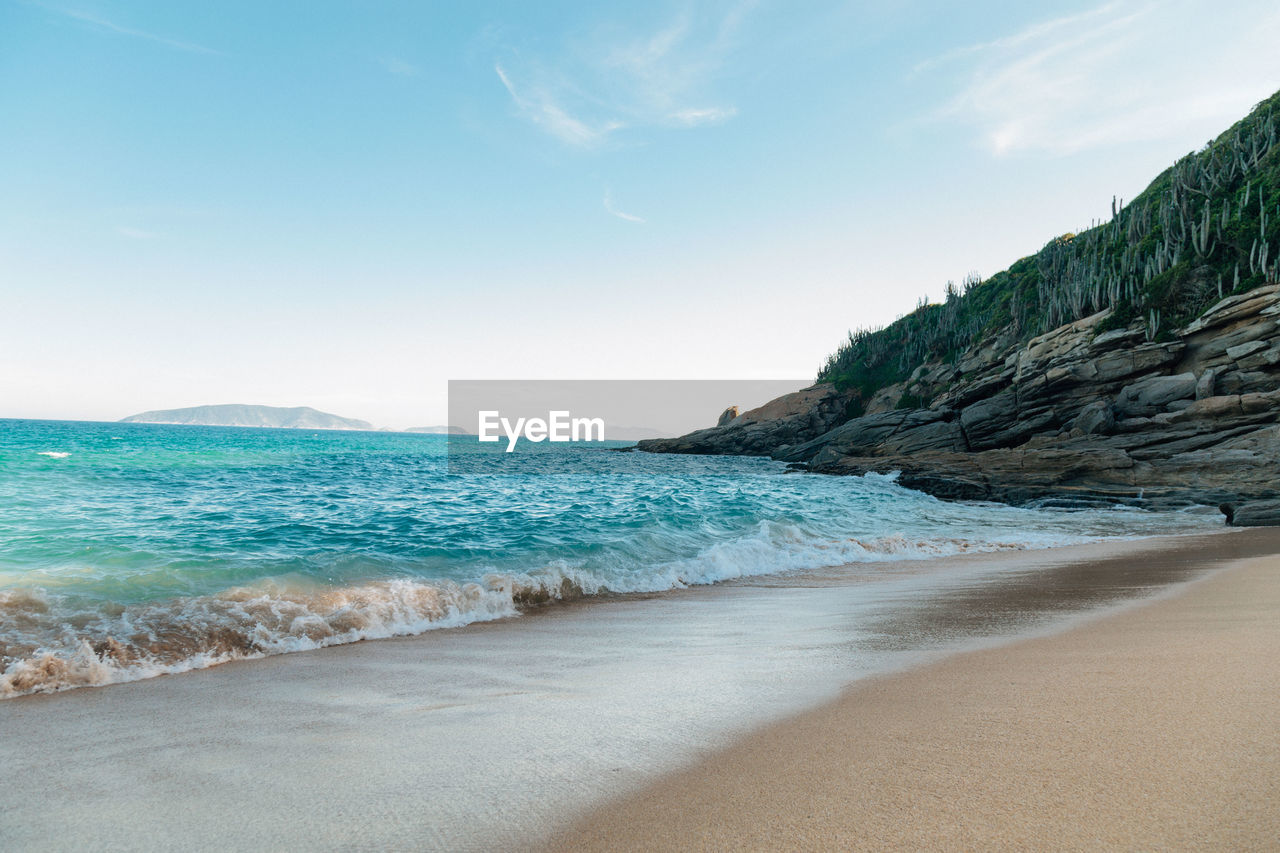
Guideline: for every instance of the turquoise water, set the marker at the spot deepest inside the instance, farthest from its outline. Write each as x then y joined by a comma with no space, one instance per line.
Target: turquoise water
129,550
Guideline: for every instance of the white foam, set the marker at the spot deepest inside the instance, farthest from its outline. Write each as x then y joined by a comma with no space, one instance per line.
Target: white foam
54,454
246,622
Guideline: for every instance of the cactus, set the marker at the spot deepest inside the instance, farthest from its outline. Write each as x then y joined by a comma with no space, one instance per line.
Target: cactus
1153,324
1200,210
1200,236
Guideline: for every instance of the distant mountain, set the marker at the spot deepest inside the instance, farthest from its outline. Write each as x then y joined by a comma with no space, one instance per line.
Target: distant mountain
297,417
439,430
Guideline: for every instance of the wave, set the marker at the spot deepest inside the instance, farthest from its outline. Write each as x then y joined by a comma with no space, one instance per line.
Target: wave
53,454
52,642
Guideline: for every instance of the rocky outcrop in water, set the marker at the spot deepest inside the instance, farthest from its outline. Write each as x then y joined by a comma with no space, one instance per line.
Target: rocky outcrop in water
1082,413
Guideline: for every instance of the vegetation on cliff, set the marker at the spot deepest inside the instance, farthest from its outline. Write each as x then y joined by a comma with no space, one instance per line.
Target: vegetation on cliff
1207,227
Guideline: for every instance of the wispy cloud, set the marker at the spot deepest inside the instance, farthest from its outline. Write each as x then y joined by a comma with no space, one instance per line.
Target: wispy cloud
1031,33
612,80
398,66
695,116
105,25
1125,71
541,107
629,217
135,233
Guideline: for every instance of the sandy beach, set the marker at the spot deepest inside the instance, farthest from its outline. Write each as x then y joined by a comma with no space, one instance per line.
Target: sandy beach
688,720
1151,729
683,426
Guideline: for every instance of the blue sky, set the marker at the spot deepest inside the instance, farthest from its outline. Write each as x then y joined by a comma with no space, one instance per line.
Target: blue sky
346,204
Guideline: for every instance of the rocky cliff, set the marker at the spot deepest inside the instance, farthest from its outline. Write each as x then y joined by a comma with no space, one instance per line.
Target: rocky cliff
1078,414
1137,360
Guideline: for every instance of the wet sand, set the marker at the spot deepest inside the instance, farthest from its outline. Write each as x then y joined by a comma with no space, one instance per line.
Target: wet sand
1155,728
503,734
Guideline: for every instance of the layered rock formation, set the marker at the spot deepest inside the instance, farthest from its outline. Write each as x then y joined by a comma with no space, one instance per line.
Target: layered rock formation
789,420
1078,413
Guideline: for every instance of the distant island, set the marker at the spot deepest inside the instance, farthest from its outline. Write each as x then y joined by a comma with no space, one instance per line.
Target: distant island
296,417
439,430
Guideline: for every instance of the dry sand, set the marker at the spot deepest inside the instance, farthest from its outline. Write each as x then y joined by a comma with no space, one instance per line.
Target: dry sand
1155,728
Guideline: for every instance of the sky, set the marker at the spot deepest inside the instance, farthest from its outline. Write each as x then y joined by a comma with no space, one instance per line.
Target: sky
345,205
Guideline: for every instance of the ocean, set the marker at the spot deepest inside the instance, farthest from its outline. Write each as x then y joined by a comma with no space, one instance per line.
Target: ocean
134,550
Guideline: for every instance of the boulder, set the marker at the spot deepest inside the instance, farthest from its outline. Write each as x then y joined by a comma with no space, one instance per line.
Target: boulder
1246,382
1148,396
1264,513
987,422
1142,359
1238,352
1096,418
1206,383
1262,358
726,416
1243,307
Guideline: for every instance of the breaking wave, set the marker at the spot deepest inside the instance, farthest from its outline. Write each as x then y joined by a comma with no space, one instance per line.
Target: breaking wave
54,642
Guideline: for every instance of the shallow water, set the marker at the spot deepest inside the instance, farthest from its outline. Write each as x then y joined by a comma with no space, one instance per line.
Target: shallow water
130,550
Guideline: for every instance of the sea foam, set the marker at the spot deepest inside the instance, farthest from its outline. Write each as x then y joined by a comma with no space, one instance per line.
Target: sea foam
52,642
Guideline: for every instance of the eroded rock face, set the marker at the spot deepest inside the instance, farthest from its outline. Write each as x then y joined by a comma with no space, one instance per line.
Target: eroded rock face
727,416
1072,413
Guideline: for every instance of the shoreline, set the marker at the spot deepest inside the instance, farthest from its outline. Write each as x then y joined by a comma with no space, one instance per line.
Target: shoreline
1152,727
53,673
505,733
